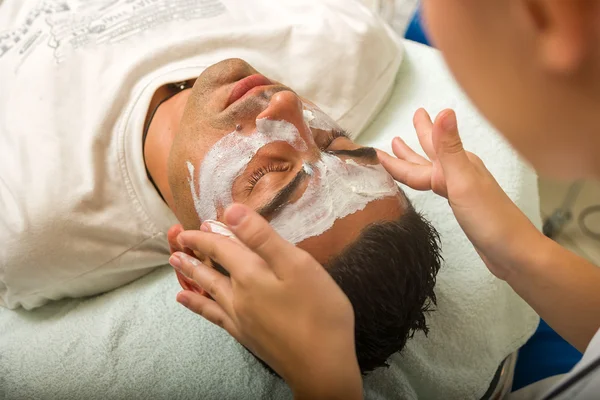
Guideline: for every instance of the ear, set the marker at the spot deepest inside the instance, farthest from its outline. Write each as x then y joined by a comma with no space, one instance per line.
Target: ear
565,31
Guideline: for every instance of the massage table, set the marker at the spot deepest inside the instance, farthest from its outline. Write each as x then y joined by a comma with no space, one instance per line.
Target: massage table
137,342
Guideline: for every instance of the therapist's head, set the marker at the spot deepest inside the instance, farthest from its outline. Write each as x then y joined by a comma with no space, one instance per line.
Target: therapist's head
244,138
533,69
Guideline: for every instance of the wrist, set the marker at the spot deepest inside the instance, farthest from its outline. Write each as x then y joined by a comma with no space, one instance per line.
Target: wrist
535,251
328,380
342,388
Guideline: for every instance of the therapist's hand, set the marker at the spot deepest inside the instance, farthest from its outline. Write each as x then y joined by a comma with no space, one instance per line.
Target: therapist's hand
500,232
278,302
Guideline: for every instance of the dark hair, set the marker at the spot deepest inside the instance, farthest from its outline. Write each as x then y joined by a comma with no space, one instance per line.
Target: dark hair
388,274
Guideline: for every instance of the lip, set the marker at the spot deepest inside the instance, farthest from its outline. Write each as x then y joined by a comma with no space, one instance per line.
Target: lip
246,84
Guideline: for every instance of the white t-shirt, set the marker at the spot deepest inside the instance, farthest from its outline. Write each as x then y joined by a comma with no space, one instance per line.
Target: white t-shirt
78,215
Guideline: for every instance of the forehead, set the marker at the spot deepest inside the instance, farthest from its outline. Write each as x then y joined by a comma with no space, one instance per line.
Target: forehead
346,231
336,188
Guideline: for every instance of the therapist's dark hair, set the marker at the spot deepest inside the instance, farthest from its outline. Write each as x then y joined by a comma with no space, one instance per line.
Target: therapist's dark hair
389,275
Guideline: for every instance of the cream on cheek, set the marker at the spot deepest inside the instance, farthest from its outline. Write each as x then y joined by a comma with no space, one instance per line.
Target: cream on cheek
336,188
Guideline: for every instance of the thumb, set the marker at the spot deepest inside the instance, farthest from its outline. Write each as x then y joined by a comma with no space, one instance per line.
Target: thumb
448,147
256,233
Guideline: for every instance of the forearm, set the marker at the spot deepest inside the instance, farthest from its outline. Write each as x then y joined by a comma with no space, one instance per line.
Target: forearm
342,390
328,381
563,288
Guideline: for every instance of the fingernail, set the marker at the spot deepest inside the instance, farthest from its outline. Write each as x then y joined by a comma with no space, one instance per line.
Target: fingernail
180,240
205,227
235,215
182,299
218,227
175,262
187,258
448,121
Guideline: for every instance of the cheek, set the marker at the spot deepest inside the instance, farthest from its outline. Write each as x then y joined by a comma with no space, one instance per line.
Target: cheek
433,21
454,29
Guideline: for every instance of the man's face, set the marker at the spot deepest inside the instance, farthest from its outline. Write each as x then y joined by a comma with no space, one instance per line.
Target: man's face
247,139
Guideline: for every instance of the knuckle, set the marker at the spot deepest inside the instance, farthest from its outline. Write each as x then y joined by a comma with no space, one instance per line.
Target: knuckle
453,146
212,249
200,309
219,321
261,239
246,275
213,286
476,160
214,245
243,277
303,258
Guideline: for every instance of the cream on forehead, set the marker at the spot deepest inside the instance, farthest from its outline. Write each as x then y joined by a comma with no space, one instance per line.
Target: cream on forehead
335,190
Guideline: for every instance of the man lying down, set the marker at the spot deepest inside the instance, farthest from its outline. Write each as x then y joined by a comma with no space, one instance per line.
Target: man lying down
91,182
248,139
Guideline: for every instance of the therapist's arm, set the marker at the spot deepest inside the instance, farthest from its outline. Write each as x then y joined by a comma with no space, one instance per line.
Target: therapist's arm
278,302
561,287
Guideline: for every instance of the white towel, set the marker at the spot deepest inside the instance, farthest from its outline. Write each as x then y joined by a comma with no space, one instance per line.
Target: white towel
137,342
479,319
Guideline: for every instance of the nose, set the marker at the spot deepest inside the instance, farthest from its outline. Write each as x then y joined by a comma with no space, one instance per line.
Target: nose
287,106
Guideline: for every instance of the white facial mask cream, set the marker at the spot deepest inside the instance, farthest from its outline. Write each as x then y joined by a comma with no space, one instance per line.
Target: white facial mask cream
336,188
219,227
228,158
317,119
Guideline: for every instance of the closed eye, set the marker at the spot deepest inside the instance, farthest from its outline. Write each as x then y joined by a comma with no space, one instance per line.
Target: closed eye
334,134
262,171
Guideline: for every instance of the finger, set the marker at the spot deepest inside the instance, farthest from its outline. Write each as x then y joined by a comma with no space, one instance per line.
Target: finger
423,126
416,176
449,147
219,228
172,234
256,233
209,310
213,282
188,284
232,255
174,245
403,151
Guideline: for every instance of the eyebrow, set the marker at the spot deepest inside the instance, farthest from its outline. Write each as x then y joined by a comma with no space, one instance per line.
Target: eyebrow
367,153
283,196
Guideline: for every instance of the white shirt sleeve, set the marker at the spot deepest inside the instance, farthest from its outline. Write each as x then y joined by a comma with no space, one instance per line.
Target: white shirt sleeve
582,383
